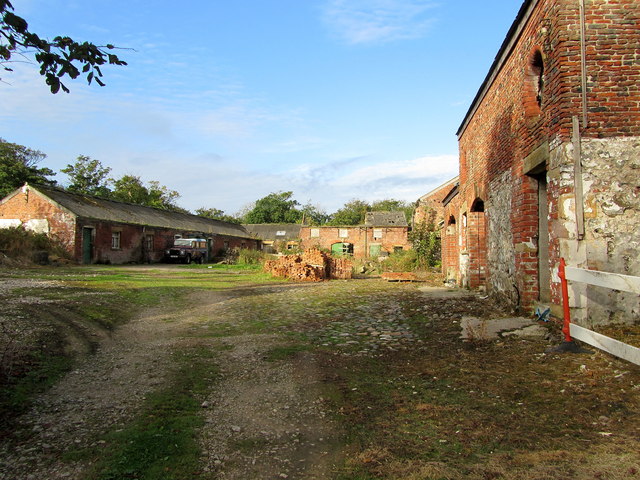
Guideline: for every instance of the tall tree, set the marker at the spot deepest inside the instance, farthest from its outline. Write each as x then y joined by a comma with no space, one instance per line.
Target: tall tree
131,189
314,215
18,166
87,175
277,207
216,214
162,197
352,213
62,57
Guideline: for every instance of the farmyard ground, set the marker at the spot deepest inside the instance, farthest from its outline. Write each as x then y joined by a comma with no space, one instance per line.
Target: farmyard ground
206,373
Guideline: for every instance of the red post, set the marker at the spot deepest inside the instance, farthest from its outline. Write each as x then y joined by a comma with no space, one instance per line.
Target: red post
565,300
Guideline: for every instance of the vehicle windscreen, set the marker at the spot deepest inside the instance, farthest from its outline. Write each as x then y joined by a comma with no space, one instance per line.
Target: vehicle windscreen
180,242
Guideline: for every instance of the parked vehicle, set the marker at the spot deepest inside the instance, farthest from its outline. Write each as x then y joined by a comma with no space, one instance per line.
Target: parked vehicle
187,250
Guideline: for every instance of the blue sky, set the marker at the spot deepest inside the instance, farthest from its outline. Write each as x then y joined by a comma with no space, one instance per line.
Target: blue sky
228,101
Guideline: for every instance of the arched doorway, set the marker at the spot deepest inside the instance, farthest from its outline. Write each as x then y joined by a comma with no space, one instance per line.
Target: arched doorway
477,245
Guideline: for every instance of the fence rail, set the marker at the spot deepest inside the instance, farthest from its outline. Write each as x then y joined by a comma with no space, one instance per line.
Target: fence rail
615,281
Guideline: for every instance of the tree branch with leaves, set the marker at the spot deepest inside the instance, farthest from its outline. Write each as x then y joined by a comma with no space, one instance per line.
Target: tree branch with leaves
62,57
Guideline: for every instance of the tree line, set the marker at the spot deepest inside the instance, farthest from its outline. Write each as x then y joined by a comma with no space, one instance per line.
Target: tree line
20,165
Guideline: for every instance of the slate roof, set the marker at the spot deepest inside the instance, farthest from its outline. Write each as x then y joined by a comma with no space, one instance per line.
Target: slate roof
274,231
87,206
385,219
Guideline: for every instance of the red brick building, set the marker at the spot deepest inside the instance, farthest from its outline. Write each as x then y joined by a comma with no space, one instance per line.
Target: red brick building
549,160
430,206
382,234
95,230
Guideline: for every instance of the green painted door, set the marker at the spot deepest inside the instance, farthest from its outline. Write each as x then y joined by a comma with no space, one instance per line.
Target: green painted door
374,250
87,245
337,248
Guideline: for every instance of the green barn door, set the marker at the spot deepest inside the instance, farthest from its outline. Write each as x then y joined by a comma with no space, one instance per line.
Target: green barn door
87,245
337,248
374,250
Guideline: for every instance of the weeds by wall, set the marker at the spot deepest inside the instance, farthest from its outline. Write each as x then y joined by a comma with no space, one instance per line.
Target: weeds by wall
23,246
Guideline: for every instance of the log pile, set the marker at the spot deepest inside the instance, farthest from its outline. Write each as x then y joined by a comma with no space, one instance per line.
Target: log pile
312,266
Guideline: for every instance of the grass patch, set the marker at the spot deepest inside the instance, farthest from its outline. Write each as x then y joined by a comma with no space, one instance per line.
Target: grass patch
285,352
41,371
160,444
88,298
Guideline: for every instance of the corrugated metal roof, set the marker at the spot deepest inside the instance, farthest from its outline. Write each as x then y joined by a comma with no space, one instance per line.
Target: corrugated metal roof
274,231
97,208
385,219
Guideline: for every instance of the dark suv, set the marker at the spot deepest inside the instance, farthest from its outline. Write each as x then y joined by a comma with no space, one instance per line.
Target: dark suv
187,250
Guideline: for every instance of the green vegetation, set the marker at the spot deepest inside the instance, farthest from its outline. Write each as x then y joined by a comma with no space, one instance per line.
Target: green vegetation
18,165
435,408
20,244
160,443
57,59
94,298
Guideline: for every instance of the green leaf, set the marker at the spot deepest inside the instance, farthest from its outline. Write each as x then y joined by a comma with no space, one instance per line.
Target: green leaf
17,23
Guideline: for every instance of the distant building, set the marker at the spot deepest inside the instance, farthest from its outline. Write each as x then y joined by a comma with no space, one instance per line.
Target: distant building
275,237
430,207
381,234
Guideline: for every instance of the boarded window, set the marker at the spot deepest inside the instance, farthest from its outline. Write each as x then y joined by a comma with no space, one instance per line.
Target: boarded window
115,240
148,243
343,233
377,233
315,232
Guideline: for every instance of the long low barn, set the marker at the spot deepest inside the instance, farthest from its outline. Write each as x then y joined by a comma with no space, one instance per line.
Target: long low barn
96,230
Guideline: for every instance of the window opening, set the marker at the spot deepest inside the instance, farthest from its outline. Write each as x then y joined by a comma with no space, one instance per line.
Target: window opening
115,240
478,205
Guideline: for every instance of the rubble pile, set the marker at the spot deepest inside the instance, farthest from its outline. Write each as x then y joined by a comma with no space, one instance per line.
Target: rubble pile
311,266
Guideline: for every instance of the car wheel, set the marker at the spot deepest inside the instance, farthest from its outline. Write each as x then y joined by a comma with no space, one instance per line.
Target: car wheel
187,260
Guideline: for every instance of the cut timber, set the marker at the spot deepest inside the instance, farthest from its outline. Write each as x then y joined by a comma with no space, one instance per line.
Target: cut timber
399,277
615,281
609,345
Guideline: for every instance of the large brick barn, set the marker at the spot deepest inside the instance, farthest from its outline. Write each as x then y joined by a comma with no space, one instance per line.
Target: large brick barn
96,230
550,160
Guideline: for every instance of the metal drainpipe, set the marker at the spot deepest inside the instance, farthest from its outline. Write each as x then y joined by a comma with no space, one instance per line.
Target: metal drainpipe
583,63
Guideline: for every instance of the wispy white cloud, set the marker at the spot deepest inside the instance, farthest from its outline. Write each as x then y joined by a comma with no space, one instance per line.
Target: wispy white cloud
377,21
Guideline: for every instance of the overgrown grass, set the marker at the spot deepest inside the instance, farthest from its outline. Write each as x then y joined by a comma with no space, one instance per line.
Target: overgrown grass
160,444
18,243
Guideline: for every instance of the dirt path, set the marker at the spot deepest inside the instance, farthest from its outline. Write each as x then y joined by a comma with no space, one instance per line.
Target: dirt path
263,419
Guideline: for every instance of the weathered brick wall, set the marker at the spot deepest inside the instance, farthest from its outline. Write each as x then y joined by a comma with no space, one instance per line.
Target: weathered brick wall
223,242
509,125
30,205
429,207
361,237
